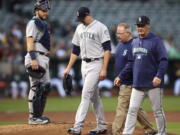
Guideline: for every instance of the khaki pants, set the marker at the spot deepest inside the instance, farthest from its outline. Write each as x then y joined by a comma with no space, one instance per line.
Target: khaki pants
122,109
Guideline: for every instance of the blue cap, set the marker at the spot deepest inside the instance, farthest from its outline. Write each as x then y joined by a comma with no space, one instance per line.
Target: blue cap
142,20
82,13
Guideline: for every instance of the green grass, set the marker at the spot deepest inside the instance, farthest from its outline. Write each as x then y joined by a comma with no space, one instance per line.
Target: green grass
172,127
11,123
8,105
170,104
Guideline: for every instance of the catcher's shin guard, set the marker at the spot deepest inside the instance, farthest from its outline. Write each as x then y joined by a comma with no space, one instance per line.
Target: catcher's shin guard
39,99
46,91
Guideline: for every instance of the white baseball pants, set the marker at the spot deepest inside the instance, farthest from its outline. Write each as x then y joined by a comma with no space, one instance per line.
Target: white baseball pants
90,93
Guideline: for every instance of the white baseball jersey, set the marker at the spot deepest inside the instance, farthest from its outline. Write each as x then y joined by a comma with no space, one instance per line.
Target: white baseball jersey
90,39
33,31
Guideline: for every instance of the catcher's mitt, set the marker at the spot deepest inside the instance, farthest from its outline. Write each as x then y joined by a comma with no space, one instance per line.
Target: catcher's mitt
39,73
67,84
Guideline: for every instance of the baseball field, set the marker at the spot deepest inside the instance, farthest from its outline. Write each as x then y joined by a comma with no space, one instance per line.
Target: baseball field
14,114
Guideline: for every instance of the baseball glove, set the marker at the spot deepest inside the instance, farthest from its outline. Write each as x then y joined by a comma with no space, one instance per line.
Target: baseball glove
67,84
39,73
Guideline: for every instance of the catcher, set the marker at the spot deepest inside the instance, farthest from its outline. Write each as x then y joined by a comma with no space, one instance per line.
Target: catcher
37,62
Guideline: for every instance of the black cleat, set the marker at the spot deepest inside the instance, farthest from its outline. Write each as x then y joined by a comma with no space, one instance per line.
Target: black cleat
153,133
97,131
73,131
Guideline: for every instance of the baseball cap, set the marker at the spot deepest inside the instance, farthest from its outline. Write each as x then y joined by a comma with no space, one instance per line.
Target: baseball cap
82,13
142,20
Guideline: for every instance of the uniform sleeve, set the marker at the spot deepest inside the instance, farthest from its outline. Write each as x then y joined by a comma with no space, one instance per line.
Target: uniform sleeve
76,50
104,34
128,69
76,39
31,30
162,59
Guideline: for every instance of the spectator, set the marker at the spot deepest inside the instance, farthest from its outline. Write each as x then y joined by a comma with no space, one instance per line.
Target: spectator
19,88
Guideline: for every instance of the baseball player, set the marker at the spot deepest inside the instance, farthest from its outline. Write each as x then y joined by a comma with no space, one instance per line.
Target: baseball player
92,40
148,62
38,46
121,59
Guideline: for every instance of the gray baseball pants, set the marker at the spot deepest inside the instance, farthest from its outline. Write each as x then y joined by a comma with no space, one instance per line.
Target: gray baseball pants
137,97
44,62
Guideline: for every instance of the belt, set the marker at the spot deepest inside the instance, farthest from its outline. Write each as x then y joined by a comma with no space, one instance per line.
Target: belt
90,59
43,53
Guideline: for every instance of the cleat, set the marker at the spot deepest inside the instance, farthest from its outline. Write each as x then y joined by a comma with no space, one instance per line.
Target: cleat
97,131
45,118
38,120
152,133
73,131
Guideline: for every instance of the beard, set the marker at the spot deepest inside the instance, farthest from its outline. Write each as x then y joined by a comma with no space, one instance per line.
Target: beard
42,17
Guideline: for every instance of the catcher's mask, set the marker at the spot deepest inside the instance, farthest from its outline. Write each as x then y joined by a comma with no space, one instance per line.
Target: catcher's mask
39,73
42,5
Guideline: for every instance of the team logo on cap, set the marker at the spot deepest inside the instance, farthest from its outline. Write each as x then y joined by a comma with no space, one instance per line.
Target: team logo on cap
139,19
77,13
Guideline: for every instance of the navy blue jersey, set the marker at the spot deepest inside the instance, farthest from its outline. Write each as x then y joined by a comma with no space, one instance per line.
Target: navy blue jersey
147,60
121,59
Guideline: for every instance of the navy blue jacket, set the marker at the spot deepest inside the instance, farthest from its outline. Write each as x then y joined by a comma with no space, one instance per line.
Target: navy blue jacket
121,59
147,60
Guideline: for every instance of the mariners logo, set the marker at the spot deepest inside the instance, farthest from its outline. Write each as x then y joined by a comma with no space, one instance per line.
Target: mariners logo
140,52
125,52
77,13
106,32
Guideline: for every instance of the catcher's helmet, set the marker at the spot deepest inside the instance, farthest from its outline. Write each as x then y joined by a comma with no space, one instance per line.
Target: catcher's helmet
39,73
42,5
67,84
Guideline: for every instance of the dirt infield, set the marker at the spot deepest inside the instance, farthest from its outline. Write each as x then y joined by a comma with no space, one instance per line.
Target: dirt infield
61,121
49,129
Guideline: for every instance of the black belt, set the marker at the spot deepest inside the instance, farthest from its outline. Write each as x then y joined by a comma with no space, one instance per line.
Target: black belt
43,53
90,59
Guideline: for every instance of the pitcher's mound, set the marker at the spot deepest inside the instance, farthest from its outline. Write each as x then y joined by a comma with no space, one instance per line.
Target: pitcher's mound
49,129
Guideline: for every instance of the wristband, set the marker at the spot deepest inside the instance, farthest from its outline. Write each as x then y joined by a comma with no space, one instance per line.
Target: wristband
32,55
